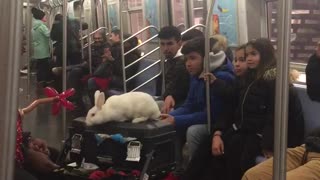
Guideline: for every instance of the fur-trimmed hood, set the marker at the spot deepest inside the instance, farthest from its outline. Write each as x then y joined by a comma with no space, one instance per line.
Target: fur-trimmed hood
271,74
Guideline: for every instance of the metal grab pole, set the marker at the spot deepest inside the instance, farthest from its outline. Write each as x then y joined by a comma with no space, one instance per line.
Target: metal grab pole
10,48
206,62
28,40
163,61
89,47
122,49
81,28
282,90
64,61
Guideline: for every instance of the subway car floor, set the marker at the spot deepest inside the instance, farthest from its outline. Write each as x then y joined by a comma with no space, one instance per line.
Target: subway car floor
40,122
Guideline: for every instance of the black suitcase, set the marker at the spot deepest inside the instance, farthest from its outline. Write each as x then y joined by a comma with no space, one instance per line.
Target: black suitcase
157,139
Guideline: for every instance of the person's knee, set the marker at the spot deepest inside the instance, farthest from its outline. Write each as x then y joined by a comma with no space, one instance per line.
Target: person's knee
196,132
250,174
92,84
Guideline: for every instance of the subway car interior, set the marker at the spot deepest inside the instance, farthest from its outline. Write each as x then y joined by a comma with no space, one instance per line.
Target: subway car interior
160,89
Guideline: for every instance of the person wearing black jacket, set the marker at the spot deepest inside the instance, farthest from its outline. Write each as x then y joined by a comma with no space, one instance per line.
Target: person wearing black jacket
177,78
236,145
73,42
117,73
313,75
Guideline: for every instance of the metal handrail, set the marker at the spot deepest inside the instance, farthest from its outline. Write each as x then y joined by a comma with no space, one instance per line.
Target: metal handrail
87,44
134,62
145,42
86,36
154,77
123,54
148,67
206,62
142,30
193,27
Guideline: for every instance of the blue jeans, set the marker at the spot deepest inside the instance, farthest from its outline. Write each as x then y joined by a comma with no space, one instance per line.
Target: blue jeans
195,135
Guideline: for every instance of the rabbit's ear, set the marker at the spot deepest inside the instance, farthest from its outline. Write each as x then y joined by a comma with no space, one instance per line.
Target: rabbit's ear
100,100
96,95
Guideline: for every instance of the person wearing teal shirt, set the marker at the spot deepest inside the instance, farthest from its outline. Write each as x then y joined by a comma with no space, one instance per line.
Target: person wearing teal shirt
41,46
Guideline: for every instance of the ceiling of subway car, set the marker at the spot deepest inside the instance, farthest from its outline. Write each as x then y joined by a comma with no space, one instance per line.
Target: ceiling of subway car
51,3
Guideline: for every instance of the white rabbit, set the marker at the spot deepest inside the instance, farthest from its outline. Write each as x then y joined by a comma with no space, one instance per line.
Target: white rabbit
135,106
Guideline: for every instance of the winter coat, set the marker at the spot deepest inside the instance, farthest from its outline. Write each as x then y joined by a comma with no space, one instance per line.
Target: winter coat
40,40
255,110
73,37
193,111
313,78
177,80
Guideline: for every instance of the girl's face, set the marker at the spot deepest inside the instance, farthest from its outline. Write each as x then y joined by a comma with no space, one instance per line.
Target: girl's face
240,64
252,57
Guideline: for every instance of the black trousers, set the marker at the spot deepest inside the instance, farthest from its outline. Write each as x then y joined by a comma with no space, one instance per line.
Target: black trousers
240,151
74,81
43,70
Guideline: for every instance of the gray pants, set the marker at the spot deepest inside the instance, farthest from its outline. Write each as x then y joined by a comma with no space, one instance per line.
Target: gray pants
195,135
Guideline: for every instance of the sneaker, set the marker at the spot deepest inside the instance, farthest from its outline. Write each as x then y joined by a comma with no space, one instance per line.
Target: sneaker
57,71
24,71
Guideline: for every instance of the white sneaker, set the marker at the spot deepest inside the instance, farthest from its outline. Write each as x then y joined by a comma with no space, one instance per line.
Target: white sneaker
24,71
57,71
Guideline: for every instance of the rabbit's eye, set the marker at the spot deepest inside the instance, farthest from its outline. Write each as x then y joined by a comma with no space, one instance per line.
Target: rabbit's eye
93,114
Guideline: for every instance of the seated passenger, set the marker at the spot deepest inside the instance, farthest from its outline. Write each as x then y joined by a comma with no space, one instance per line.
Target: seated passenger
77,72
236,147
193,111
217,62
313,75
117,75
34,159
303,162
176,76
223,43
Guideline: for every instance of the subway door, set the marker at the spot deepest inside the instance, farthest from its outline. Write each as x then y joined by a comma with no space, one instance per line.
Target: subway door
126,24
100,13
196,12
179,11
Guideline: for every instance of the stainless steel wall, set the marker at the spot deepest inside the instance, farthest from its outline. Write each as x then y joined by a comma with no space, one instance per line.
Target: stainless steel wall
10,35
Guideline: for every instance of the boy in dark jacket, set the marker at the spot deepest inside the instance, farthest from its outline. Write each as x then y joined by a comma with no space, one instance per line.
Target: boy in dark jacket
176,76
313,75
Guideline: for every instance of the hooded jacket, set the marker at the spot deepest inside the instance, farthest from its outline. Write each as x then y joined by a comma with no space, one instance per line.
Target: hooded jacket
193,111
40,40
255,110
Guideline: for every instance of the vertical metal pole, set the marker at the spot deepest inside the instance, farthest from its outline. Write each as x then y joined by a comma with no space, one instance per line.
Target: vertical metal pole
122,48
282,90
189,13
10,48
162,62
81,28
64,62
170,12
107,16
89,47
206,61
103,13
28,46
